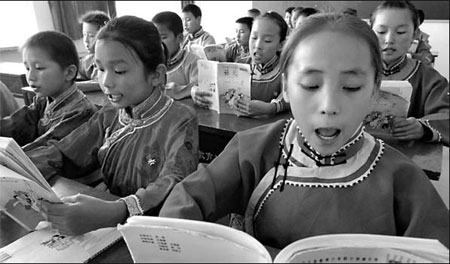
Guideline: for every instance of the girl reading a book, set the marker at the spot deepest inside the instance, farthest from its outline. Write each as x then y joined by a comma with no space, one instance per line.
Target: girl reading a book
320,172
396,23
266,40
143,141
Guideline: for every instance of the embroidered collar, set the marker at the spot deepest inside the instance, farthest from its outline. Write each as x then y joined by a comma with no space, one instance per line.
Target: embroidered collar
339,157
197,34
269,66
146,112
52,104
396,67
176,58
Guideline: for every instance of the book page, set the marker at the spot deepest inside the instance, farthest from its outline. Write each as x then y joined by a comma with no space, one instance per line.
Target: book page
215,52
20,198
379,248
47,245
159,239
392,101
199,51
207,81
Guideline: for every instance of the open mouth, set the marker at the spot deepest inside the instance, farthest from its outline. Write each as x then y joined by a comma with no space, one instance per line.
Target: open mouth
114,97
327,133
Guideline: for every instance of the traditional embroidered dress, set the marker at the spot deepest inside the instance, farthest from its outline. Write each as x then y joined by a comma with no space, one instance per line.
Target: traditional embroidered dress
200,37
144,153
266,83
87,70
182,69
8,103
429,99
32,126
365,187
235,52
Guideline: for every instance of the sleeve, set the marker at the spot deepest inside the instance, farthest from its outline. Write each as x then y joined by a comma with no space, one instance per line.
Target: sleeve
22,125
420,211
181,160
192,71
70,121
209,39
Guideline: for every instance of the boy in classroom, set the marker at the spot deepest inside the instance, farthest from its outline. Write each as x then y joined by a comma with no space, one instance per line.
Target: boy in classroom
91,23
253,12
304,13
192,18
395,23
239,48
143,141
51,61
8,103
182,72
266,41
320,172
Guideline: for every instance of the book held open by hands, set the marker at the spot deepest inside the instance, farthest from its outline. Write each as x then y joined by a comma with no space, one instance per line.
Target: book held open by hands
159,239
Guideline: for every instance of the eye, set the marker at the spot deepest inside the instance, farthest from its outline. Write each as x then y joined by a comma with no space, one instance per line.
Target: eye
119,72
309,87
381,32
352,89
401,32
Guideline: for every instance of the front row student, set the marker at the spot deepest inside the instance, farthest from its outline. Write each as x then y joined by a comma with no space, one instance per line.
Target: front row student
266,41
51,61
330,176
182,73
143,141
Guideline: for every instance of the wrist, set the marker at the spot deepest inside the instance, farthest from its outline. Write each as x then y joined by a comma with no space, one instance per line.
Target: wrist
132,204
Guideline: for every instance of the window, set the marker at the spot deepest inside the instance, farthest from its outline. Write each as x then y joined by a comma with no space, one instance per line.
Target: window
146,9
18,22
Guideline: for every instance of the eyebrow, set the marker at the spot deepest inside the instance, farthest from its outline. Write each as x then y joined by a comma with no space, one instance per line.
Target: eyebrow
352,72
113,62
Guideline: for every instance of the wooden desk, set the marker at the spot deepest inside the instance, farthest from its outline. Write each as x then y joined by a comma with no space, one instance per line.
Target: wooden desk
118,253
13,74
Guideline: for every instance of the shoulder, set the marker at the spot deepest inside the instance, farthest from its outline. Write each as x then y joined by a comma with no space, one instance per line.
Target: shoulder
190,57
271,130
182,111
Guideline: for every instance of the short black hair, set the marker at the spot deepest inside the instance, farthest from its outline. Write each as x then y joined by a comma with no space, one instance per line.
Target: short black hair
308,11
194,9
246,20
392,4
171,20
255,11
96,17
289,9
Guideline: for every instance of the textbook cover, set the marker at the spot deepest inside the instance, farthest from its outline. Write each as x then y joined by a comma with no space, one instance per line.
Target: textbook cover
22,186
227,81
161,239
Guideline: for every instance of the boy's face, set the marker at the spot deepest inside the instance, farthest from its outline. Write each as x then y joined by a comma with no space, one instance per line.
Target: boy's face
44,75
287,18
264,40
121,74
191,23
330,84
89,32
168,37
242,34
395,31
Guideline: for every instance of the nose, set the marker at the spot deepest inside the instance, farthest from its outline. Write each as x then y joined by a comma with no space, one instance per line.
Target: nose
329,101
31,75
106,79
390,38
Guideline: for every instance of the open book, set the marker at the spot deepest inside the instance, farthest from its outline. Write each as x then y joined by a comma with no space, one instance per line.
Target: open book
22,187
227,81
47,245
160,239
213,52
392,101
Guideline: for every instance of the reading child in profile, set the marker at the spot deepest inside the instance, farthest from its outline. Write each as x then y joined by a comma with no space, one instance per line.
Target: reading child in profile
395,23
143,141
266,41
182,73
320,172
239,49
192,19
58,107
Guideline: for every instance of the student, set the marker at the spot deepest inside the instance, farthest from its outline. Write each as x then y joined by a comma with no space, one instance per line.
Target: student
192,18
91,23
8,103
239,49
253,12
304,13
421,48
329,175
143,141
295,14
266,41
395,23
51,61
350,11
288,15
182,72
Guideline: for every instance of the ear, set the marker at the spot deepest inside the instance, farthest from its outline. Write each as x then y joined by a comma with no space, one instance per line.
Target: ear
280,46
179,38
158,77
71,72
415,35
284,87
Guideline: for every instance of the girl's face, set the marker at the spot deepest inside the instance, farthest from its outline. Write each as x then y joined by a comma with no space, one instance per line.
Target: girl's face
121,74
44,75
242,34
330,83
395,31
89,32
264,40
168,37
